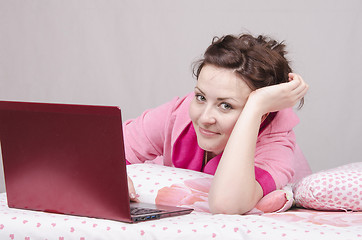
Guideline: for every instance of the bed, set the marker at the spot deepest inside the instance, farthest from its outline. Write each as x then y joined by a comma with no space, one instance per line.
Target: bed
337,217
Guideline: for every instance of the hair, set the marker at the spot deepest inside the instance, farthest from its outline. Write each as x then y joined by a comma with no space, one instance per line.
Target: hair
260,61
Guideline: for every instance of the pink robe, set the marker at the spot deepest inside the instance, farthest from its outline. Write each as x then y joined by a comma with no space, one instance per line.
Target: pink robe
165,135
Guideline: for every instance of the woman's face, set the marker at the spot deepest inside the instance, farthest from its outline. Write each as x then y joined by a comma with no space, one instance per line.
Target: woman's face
220,96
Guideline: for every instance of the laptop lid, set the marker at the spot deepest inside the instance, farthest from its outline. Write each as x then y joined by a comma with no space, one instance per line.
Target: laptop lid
65,159
69,159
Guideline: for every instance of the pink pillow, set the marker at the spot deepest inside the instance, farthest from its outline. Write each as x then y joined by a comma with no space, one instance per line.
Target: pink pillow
335,189
181,187
276,201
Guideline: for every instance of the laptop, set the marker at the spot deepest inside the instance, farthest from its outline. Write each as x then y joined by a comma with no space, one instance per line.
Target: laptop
69,159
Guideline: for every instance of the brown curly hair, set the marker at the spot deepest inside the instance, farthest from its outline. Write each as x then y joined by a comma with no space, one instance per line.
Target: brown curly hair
258,60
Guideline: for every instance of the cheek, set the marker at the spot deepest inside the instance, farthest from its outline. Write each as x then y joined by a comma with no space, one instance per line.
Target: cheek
229,124
193,111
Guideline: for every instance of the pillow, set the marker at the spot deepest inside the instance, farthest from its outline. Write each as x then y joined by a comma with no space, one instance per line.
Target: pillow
170,186
182,187
335,189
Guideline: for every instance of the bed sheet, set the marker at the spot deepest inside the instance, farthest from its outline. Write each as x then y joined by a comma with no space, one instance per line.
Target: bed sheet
293,224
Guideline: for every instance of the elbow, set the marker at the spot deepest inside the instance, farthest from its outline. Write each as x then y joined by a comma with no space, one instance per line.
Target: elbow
225,206
229,201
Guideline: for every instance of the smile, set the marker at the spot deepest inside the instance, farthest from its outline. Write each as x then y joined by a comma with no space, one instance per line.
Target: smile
207,133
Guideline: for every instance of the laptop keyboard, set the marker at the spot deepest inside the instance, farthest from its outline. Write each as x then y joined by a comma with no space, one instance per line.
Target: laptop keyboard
141,211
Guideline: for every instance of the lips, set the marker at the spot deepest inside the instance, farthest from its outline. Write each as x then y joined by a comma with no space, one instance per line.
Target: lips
207,133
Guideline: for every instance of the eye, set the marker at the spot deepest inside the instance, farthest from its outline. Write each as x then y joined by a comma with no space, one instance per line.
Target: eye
200,98
225,106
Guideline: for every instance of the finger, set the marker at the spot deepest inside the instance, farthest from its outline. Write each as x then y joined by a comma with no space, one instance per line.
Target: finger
293,76
133,197
132,192
299,78
301,86
302,91
292,84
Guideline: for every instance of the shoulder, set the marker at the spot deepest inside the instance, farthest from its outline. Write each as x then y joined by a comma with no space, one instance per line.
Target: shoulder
171,117
182,104
178,106
179,118
276,149
284,121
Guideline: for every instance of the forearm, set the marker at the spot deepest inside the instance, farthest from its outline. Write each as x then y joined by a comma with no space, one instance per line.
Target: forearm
234,189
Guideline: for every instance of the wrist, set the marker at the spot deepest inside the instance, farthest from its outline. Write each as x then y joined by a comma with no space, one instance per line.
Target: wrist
254,107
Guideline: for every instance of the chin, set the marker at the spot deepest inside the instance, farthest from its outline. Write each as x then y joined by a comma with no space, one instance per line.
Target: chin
211,145
209,148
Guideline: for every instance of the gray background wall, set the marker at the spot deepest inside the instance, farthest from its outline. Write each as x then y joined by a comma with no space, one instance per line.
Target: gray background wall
137,54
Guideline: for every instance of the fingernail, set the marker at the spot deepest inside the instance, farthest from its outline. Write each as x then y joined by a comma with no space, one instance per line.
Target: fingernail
132,195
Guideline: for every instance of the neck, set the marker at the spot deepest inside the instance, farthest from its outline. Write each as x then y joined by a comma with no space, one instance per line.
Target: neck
208,156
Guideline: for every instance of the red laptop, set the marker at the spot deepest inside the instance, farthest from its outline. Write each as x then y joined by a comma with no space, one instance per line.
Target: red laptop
69,159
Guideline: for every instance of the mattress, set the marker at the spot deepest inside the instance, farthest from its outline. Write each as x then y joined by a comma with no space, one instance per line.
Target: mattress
295,223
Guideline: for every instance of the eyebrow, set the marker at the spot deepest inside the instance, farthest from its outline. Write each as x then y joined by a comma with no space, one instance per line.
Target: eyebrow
219,99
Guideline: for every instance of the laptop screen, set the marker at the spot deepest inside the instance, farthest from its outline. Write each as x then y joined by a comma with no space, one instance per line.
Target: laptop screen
64,158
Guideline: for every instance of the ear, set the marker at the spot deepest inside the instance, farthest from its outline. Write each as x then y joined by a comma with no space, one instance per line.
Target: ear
264,117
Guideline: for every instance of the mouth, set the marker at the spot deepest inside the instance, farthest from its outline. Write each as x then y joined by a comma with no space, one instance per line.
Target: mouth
207,133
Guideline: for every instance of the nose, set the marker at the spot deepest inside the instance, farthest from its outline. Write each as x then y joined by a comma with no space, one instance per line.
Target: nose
208,116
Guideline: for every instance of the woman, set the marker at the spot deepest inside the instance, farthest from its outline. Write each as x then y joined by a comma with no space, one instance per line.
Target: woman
238,124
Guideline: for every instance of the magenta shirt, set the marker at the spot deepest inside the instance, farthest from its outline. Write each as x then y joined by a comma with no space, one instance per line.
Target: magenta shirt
186,145
165,135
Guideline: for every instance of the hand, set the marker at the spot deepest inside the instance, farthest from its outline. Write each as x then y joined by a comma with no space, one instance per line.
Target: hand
277,97
131,190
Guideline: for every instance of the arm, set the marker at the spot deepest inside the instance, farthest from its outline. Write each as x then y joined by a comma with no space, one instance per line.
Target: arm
234,189
148,136
144,136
